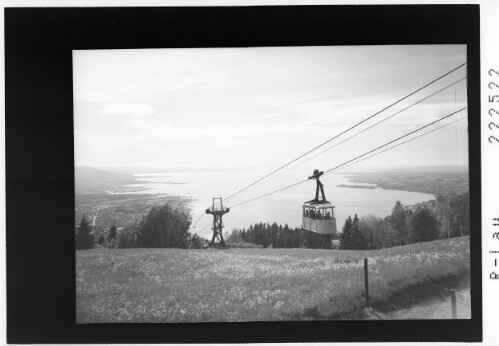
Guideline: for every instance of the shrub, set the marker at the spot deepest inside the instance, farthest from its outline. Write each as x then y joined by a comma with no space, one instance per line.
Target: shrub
128,237
164,227
196,242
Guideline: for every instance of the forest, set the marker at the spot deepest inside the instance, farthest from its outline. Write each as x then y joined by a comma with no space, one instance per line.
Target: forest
165,227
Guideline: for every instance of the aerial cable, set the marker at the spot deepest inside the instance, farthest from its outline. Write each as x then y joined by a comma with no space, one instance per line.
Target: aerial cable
392,141
202,229
209,223
271,193
399,144
345,131
370,127
385,119
356,158
197,220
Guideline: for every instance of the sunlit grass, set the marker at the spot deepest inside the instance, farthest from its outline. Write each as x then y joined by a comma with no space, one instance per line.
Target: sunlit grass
173,285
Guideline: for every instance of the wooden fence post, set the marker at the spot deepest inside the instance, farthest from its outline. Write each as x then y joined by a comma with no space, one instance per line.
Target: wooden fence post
453,303
366,274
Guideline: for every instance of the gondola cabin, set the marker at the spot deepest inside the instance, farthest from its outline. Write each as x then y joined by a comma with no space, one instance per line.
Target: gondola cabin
318,214
319,218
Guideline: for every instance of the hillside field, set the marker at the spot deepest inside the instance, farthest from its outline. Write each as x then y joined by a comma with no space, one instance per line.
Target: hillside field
174,285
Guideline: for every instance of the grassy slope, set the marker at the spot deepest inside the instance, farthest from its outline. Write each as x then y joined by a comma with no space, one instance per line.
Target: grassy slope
172,285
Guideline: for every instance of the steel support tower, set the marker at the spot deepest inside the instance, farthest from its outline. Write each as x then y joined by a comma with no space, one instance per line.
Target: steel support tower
217,210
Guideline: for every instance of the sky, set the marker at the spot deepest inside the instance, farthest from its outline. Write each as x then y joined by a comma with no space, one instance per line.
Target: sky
258,108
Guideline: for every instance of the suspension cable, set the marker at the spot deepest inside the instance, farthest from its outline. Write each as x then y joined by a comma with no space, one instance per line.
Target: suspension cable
370,127
360,156
197,220
349,129
399,144
202,229
392,141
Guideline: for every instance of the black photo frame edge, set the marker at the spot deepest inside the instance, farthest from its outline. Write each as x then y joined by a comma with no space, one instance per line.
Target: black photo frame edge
40,156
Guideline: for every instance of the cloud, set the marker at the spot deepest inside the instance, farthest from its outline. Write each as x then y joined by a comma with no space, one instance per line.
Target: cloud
136,115
253,107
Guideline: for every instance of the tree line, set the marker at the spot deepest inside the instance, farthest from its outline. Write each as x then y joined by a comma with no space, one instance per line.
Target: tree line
162,227
445,217
278,236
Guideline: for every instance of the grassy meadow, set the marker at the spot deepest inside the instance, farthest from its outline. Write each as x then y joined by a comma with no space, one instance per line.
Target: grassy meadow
174,285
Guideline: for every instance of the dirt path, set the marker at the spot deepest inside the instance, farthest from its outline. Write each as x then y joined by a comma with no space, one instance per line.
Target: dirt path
433,303
95,217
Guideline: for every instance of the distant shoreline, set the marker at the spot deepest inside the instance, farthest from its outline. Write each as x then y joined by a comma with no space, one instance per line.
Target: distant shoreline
357,186
433,183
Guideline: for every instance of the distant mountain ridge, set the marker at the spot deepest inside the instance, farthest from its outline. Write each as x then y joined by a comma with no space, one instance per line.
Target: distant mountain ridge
416,181
89,178
411,169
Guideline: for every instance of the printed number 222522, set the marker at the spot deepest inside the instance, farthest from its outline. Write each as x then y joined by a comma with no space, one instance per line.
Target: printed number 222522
493,98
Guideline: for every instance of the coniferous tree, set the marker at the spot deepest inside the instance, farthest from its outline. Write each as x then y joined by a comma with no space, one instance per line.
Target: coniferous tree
84,236
399,223
128,237
424,225
101,240
296,237
357,238
346,234
275,231
288,237
250,236
112,232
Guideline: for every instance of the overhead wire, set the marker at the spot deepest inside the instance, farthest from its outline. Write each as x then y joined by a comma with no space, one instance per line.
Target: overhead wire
399,144
384,119
356,158
271,193
370,127
202,229
345,131
199,218
403,136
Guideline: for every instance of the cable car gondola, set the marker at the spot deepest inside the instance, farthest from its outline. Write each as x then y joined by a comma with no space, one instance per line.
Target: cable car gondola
318,214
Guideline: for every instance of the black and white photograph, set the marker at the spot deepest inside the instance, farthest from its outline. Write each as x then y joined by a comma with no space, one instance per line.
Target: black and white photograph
271,184
185,172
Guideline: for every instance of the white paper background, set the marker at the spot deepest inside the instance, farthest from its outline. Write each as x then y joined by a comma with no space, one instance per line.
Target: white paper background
489,28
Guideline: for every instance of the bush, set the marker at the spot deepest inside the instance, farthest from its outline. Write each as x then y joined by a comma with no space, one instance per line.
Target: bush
128,237
196,242
244,245
112,243
164,227
235,236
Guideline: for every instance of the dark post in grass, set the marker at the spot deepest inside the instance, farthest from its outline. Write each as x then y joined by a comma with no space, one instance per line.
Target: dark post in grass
367,282
453,303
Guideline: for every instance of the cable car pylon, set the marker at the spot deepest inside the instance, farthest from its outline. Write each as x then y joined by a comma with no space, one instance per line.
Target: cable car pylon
217,210
320,187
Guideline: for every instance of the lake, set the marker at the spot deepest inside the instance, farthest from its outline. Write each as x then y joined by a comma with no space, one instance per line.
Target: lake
283,207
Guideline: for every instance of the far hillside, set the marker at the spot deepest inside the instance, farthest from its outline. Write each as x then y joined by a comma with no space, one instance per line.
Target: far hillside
432,180
93,179
103,197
